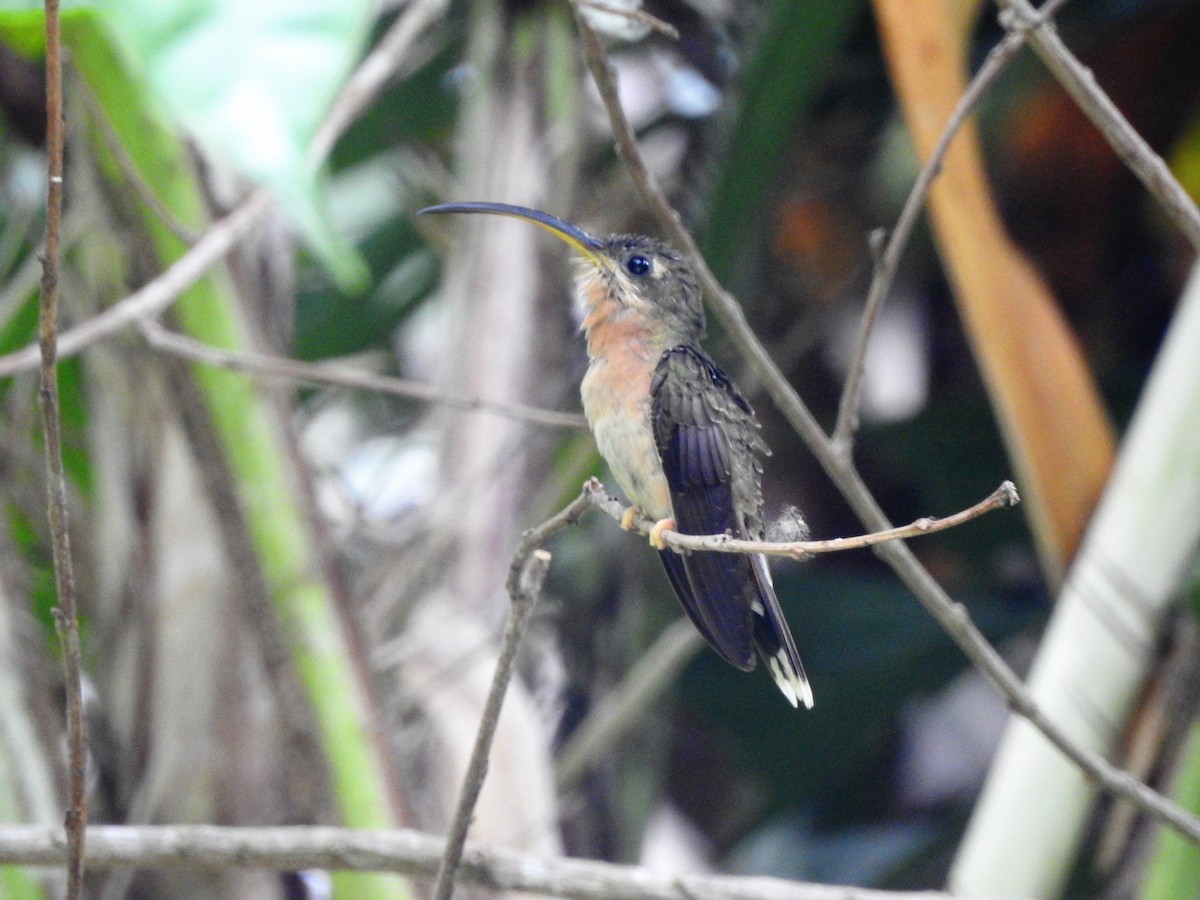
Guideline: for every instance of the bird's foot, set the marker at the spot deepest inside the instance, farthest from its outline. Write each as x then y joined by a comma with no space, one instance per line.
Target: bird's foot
656,533
629,518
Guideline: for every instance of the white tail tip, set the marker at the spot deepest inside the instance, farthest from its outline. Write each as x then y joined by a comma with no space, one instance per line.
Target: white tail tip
793,684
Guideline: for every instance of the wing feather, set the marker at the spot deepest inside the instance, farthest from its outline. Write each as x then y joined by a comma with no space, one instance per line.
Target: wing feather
689,392
707,441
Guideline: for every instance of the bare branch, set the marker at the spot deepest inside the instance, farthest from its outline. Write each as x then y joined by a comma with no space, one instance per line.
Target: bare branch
66,618
887,261
533,575
952,616
408,852
220,238
1005,495
343,376
525,578
627,147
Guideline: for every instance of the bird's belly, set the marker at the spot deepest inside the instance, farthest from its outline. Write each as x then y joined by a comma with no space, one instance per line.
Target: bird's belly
626,441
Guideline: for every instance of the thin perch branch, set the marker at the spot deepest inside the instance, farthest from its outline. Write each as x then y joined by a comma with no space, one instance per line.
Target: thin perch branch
1005,495
66,617
680,641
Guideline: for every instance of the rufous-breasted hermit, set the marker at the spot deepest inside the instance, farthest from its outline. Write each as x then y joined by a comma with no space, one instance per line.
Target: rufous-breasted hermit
680,439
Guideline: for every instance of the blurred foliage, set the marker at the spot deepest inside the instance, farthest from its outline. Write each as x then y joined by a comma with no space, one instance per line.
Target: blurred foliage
799,164
146,70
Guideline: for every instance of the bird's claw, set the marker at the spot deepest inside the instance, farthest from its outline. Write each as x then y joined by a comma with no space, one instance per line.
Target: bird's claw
656,533
629,518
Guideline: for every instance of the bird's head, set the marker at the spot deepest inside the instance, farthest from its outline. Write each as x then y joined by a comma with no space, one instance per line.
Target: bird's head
620,275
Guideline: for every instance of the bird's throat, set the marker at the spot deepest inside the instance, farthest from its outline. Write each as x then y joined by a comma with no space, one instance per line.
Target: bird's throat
616,398
614,329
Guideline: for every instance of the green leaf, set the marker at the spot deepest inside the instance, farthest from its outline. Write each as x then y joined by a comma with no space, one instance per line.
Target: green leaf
251,80
329,323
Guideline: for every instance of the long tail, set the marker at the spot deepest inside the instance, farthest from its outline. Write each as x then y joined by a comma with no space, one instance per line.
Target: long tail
773,640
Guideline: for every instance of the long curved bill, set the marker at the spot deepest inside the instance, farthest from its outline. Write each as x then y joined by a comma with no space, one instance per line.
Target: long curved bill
580,240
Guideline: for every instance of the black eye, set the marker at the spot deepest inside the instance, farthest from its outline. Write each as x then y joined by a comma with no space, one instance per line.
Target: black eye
637,265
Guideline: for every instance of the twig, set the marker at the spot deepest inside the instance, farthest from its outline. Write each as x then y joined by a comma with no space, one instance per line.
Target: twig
220,238
529,585
373,73
952,616
887,260
525,578
1078,81
1005,495
635,13
342,376
408,852
66,618
627,146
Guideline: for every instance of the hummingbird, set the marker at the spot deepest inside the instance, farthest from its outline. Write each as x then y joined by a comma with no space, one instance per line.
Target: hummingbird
681,441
